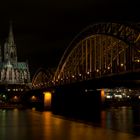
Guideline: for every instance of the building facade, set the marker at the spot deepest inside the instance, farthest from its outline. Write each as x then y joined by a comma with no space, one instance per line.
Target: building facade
12,71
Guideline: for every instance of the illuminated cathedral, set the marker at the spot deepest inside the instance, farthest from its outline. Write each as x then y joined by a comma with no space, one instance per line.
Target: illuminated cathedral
12,71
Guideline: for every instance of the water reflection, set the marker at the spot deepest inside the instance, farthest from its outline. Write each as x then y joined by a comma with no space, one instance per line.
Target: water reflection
62,129
33,125
2,122
124,119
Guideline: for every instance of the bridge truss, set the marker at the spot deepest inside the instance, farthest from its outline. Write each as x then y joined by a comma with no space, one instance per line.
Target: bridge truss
42,79
100,50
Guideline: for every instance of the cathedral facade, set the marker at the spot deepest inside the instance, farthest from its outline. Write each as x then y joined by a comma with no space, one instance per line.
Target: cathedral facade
12,71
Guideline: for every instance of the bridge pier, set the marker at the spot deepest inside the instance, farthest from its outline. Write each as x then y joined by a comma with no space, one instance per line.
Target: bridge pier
75,101
34,99
47,100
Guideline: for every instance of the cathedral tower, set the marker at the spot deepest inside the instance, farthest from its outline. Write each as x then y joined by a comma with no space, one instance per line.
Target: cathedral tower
12,71
10,52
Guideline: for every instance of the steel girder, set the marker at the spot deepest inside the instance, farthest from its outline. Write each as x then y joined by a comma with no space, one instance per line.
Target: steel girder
99,50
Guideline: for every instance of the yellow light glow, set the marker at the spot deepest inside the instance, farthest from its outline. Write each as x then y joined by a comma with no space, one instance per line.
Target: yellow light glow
47,99
15,97
137,60
33,97
33,109
88,72
102,95
15,109
9,89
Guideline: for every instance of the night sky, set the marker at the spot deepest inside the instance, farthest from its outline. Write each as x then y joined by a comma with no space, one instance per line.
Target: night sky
43,29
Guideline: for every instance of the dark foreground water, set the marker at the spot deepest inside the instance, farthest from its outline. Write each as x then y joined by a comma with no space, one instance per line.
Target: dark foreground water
115,124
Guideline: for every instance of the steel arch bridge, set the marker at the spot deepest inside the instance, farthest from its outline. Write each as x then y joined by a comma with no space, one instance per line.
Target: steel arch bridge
42,79
100,50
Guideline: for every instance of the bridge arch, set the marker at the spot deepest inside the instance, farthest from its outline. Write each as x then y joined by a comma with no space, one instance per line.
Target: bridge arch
99,50
41,79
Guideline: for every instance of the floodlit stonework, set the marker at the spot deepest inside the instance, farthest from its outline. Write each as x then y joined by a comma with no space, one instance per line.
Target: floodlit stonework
12,71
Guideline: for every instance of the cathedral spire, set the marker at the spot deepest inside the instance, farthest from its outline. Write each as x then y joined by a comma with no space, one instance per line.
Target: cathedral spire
10,52
11,36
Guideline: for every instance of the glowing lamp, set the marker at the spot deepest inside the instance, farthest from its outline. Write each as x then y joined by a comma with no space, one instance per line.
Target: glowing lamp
47,99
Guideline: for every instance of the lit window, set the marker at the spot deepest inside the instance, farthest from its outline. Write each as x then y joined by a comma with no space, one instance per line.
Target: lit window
15,97
108,97
8,89
3,96
33,98
97,70
88,72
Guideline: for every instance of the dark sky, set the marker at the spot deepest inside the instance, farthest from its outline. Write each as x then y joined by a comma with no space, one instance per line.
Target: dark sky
43,29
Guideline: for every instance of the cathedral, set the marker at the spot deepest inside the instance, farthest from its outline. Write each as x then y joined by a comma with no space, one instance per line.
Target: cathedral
12,71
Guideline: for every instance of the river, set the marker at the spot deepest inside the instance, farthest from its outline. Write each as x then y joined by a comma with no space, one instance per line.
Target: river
122,123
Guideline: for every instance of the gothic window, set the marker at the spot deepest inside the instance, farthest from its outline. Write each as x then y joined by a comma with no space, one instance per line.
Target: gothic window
6,55
10,74
12,55
3,74
22,75
25,74
17,75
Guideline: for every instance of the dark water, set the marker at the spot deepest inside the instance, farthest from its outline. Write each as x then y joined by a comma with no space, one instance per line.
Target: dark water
116,124
124,119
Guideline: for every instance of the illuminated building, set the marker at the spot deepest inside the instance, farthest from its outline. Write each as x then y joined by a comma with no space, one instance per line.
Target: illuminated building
12,71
